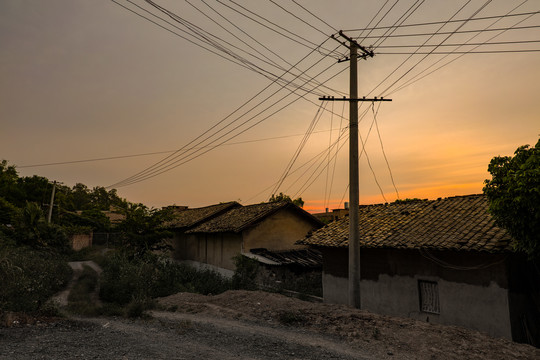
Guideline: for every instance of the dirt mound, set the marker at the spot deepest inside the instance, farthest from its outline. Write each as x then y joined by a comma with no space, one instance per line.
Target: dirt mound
399,336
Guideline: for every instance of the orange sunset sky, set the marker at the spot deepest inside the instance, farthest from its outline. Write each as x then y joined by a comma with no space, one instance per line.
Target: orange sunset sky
105,95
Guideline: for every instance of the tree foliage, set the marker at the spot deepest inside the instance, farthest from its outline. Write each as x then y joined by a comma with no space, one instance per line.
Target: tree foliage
142,230
514,196
283,197
24,201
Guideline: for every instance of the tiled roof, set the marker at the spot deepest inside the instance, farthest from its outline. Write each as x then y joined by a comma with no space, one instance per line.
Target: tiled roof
191,217
309,258
237,219
456,223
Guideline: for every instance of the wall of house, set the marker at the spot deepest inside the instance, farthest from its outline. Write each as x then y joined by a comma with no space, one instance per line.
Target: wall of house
278,231
213,249
476,298
80,241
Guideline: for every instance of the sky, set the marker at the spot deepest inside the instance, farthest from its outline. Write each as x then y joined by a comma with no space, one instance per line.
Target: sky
216,103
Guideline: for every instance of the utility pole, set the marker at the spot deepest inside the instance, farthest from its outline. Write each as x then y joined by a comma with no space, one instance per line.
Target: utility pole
354,183
51,203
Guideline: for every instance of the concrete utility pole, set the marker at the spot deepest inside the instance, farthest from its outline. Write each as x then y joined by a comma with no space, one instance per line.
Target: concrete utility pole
354,183
51,203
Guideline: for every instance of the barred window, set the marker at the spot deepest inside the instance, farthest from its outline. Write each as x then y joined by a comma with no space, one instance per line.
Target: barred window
429,296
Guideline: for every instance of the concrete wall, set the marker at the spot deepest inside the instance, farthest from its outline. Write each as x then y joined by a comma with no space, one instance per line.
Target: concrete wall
278,232
390,285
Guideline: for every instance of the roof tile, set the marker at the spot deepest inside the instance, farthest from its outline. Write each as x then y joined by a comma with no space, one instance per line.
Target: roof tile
459,223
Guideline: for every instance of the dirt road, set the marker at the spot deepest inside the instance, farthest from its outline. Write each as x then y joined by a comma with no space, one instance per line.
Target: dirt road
168,336
252,325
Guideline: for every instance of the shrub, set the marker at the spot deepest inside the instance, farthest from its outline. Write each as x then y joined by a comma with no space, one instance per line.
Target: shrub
245,275
126,278
29,277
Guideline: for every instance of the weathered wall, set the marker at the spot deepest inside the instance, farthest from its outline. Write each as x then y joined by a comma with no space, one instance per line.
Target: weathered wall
475,298
278,232
214,249
80,241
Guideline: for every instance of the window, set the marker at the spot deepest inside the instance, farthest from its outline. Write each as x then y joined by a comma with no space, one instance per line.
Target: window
429,296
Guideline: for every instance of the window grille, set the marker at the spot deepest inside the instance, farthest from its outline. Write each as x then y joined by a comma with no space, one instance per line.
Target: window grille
429,297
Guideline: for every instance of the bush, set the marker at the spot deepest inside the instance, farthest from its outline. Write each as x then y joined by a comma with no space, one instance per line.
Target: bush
127,279
28,278
245,275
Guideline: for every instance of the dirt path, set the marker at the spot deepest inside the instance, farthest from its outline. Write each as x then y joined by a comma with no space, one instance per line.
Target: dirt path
62,297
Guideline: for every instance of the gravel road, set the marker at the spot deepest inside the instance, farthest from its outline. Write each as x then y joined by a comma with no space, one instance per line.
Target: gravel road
167,336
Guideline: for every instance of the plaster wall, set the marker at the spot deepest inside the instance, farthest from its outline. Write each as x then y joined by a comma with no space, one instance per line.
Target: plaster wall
278,231
335,289
476,298
483,308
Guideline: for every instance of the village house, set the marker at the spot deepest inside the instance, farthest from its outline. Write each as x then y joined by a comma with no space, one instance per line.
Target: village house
212,236
443,261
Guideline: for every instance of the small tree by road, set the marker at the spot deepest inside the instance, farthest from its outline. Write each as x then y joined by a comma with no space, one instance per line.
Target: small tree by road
514,196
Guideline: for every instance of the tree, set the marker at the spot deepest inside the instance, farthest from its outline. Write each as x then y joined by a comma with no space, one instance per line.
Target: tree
80,197
32,229
283,197
514,196
142,228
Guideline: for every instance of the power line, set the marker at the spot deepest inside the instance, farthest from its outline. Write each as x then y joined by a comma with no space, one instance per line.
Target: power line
380,20
153,169
315,16
375,16
303,142
209,39
459,52
150,169
443,22
185,159
382,146
161,152
407,59
441,42
252,38
313,159
328,166
411,10
335,158
458,32
417,76
462,44
302,40
298,17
